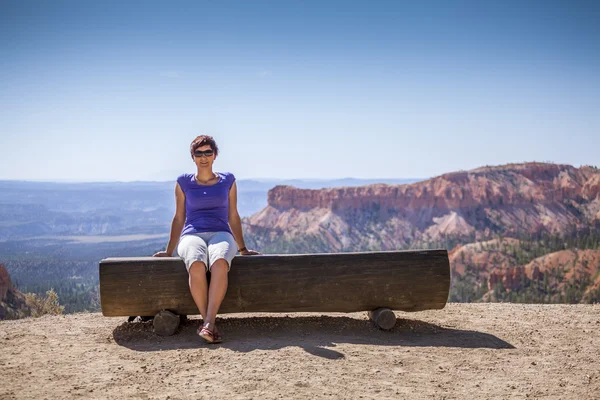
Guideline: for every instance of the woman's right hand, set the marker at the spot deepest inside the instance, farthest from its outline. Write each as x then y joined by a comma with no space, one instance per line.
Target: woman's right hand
161,254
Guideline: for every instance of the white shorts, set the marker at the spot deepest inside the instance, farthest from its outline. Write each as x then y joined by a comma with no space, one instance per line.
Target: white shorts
207,247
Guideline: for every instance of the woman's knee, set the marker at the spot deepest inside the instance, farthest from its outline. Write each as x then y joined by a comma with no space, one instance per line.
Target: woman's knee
197,269
220,265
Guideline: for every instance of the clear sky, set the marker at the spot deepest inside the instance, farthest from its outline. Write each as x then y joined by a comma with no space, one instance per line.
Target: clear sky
103,90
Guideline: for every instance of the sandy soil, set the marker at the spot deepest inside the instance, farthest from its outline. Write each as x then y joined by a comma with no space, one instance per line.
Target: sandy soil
464,351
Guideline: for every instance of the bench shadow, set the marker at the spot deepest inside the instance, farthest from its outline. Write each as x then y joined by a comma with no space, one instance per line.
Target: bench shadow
315,334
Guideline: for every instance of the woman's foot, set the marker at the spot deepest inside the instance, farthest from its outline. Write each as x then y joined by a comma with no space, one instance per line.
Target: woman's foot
209,333
217,336
205,332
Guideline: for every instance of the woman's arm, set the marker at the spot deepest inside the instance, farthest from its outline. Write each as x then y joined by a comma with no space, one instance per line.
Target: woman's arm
235,222
177,224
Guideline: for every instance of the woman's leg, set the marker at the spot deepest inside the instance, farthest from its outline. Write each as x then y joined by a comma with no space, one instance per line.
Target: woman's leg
199,286
221,250
194,252
218,287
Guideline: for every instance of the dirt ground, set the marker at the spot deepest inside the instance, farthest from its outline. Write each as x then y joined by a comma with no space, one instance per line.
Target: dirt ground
463,351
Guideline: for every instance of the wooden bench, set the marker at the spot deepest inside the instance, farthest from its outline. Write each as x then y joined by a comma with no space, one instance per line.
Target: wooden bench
378,282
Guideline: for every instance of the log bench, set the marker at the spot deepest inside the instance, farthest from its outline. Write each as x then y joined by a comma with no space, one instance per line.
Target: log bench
377,282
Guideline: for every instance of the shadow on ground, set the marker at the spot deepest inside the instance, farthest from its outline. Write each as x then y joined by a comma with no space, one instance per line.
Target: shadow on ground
315,334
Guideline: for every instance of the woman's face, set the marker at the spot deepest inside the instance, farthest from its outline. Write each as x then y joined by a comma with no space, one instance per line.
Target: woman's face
204,161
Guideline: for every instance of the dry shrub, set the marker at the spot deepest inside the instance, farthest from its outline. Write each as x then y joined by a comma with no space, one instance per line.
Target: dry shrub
40,305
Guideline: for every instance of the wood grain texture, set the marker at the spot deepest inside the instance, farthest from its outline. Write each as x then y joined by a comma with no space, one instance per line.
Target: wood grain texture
384,318
165,323
336,282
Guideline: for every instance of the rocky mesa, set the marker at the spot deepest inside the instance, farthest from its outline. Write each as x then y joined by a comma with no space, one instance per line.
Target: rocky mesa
513,199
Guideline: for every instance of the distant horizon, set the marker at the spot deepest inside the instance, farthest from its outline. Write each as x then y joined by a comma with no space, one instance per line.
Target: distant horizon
244,179
308,179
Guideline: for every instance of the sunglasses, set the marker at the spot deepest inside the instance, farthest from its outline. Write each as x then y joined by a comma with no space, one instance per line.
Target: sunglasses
206,153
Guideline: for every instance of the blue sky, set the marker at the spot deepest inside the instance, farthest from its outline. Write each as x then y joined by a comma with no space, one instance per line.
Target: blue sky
295,89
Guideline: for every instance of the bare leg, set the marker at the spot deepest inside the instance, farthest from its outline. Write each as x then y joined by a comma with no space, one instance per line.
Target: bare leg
199,286
217,289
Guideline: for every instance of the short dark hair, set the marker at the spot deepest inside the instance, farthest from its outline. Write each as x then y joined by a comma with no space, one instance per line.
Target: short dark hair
201,141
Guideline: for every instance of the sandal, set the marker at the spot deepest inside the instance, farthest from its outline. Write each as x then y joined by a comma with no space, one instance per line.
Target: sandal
210,336
206,334
217,336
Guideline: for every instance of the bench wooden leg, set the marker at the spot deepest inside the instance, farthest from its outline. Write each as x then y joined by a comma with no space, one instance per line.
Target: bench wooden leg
166,323
383,317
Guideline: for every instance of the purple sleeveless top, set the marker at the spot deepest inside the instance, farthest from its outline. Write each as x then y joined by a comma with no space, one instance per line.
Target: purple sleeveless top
206,206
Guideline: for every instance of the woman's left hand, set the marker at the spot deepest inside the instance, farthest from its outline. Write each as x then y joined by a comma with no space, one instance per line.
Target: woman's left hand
249,253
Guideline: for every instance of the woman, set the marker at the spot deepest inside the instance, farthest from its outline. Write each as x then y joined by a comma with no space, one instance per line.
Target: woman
207,231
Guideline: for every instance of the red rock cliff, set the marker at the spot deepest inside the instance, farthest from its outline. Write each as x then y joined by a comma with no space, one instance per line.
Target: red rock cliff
12,301
5,282
513,184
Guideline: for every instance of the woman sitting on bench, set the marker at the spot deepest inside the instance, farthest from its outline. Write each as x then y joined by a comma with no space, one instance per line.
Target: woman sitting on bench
205,231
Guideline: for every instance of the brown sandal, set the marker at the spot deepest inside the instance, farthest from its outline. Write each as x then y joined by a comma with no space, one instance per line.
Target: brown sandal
206,334
210,336
217,336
